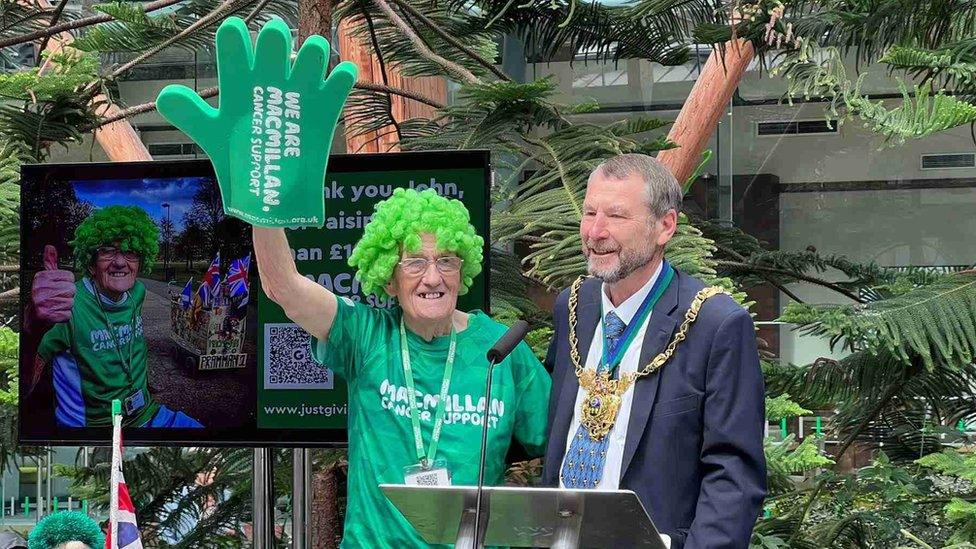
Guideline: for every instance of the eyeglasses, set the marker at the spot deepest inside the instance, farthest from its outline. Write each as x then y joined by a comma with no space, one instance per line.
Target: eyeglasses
415,266
109,253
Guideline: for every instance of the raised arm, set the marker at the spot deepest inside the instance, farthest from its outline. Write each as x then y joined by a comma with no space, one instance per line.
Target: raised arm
308,304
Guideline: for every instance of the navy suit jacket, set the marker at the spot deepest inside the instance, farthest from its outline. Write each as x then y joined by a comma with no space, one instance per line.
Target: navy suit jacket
694,447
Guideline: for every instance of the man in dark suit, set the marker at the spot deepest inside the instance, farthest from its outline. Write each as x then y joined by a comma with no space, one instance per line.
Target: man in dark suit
685,434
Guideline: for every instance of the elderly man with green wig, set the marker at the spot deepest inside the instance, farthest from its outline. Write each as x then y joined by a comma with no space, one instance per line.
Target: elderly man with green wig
90,332
416,372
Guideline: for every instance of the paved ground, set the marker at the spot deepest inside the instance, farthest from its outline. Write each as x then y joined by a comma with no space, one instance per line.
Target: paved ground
221,398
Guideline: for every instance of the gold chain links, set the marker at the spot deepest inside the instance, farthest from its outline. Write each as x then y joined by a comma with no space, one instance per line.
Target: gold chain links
690,316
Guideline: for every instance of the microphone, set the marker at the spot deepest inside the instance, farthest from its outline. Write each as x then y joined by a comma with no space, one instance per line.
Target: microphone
507,342
501,349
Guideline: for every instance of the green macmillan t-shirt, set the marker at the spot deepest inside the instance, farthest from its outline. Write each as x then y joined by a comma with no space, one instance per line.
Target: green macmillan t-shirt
88,370
364,348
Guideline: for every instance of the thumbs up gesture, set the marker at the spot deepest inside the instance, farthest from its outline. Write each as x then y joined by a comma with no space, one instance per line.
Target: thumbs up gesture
52,292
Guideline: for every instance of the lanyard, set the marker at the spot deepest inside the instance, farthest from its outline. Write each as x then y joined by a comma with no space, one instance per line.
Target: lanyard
126,365
428,458
657,290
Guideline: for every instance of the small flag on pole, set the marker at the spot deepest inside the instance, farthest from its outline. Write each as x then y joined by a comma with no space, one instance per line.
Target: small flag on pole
211,279
123,532
237,281
186,296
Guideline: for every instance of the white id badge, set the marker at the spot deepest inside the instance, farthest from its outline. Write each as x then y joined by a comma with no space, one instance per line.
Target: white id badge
436,475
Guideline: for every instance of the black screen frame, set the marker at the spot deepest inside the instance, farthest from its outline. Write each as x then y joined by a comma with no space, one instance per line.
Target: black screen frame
253,437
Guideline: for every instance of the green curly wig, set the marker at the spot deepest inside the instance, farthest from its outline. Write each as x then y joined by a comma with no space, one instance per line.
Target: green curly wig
397,225
128,226
65,526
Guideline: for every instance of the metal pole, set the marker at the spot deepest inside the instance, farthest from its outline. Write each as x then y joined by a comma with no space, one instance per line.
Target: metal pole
40,486
308,498
262,503
47,458
301,508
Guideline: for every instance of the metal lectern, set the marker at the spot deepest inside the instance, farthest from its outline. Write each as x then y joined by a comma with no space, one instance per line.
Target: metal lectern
527,517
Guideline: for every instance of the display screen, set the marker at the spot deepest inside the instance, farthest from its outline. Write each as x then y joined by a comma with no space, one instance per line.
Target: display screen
138,288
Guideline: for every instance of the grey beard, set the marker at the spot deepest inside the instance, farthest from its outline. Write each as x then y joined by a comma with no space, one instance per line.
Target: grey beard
626,267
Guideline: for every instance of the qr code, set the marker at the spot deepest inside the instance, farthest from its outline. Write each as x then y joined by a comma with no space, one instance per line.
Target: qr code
427,479
288,362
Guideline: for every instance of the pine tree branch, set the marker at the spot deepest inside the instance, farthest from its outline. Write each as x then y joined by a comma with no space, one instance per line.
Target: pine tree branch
254,13
54,21
450,39
422,49
741,266
219,12
420,98
386,81
212,91
78,23
765,276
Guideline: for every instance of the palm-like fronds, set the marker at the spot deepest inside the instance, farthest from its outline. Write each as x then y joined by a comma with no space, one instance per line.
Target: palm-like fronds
35,128
924,115
23,17
963,515
492,115
785,458
781,407
397,50
509,290
67,72
881,399
811,42
195,496
9,209
870,28
549,28
937,322
951,462
955,63
133,30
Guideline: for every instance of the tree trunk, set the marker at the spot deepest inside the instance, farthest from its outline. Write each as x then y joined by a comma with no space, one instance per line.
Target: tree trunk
118,139
370,70
314,17
324,522
705,104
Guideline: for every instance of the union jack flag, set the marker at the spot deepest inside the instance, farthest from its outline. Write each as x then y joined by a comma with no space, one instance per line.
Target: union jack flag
123,532
238,282
211,279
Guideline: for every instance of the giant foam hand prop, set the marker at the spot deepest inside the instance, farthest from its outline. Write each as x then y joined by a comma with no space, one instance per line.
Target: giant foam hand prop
269,139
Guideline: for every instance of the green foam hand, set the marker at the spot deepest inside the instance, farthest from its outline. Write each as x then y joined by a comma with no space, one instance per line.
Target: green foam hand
270,137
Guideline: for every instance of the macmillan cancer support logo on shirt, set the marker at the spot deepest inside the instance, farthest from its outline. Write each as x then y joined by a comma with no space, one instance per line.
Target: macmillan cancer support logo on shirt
102,340
460,408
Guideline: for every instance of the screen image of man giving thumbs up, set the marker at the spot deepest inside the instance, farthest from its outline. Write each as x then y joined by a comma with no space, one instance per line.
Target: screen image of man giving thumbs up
89,332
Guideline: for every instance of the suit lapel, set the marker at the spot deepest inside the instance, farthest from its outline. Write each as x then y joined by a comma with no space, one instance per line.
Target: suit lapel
658,334
588,313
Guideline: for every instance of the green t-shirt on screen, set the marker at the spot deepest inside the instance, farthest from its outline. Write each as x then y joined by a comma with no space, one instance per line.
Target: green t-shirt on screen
364,348
97,356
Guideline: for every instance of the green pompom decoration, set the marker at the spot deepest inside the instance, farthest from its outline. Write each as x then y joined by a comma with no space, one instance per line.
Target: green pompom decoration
130,227
398,223
65,526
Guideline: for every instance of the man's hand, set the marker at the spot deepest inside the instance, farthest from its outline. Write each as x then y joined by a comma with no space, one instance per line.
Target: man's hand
269,140
52,294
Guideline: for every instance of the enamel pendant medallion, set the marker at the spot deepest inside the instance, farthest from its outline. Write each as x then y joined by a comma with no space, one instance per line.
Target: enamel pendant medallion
601,402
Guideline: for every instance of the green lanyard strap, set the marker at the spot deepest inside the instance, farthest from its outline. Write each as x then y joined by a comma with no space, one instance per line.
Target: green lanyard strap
426,458
647,305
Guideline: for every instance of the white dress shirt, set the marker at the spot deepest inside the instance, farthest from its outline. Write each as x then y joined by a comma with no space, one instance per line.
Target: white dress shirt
630,363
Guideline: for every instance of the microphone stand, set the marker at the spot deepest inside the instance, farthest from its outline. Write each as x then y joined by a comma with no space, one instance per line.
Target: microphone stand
478,534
